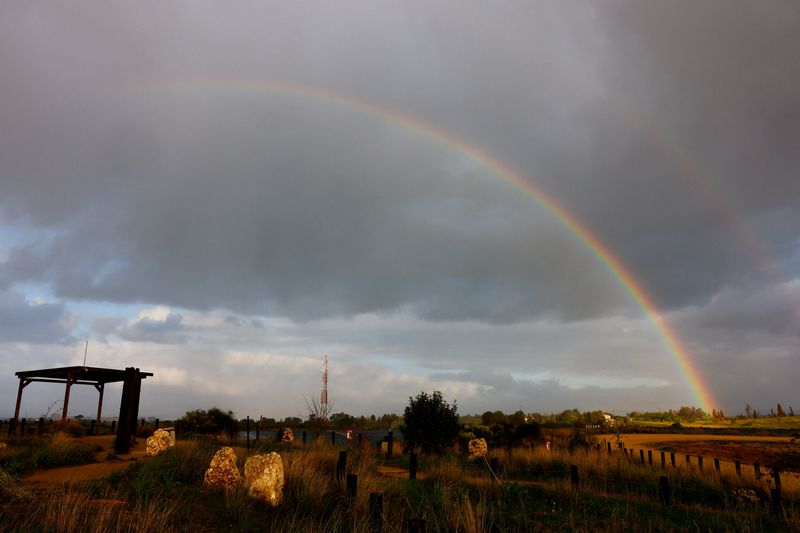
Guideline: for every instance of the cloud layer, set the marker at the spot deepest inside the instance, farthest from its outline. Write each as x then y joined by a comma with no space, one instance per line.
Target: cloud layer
127,184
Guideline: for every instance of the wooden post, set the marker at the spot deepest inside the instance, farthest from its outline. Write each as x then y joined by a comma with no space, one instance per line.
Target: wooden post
390,446
641,456
716,465
352,486
663,490
412,466
100,389
621,445
700,462
608,446
258,429
663,460
650,457
40,426
494,466
688,460
247,433
777,505
757,470
574,477
341,465
91,427
333,438
113,426
417,525
158,422
672,458
304,437
776,475
738,466
22,427
66,398
376,511
360,440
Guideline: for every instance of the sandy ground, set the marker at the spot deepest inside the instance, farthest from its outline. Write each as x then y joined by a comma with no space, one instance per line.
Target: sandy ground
790,481
52,477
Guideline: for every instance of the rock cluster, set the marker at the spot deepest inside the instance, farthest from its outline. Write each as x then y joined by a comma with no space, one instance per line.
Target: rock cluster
223,473
477,448
263,476
287,436
161,440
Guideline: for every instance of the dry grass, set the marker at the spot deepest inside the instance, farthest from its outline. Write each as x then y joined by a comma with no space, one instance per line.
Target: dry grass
165,493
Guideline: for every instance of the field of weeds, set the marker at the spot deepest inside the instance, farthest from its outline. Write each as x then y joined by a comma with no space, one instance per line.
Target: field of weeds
527,490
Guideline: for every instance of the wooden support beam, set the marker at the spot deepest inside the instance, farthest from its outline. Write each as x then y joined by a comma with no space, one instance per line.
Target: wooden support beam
66,398
100,388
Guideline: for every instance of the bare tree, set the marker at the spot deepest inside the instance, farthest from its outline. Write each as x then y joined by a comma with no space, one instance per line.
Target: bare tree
318,414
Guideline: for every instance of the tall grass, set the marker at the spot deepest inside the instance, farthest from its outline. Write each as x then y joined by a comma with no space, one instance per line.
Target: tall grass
59,450
532,492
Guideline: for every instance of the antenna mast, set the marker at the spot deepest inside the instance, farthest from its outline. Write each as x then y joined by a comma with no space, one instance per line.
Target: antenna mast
323,397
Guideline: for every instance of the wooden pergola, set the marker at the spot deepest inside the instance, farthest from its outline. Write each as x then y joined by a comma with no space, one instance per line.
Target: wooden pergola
97,377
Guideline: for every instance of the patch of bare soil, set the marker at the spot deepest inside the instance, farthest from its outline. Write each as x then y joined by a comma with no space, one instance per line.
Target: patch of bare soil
104,466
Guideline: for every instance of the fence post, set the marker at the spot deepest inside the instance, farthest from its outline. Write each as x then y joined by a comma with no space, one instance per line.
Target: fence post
688,460
360,439
663,490
22,427
352,486
417,525
777,505
247,431
333,438
113,426
574,477
376,511
776,475
608,445
40,426
412,466
258,429
700,462
663,460
641,456
672,458
650,457
91,427
621,445
304,437
738,466
390,444
340,467
716,464
158,421
494,466
757,470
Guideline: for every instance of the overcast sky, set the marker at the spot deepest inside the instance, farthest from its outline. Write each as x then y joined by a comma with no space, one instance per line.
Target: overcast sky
164,199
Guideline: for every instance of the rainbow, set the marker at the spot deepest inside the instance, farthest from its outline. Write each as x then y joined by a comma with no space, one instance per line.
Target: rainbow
614,266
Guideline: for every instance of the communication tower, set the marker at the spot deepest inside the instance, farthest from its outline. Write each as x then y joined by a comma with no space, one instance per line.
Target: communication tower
323,397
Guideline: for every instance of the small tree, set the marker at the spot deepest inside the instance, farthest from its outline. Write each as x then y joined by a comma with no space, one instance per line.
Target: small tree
431,424
780,410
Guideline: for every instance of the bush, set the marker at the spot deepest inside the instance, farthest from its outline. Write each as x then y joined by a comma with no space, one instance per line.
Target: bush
431,424
213,421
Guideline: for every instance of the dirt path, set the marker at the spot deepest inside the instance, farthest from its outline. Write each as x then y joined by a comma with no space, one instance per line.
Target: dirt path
103,467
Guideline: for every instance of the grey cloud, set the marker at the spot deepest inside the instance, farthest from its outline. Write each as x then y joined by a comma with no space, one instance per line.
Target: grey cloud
170,330
24,321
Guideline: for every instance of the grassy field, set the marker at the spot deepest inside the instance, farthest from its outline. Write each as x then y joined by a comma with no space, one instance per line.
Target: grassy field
531,490
784,422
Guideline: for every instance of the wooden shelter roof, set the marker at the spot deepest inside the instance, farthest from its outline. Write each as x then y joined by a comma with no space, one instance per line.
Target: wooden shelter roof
81,374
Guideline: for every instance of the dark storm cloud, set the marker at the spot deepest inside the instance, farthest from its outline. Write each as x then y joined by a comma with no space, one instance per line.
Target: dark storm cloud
168,330
283,205
24,321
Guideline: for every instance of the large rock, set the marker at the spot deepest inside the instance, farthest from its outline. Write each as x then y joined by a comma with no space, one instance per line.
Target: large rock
223,473
287,436
161,440
263,476
477,448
